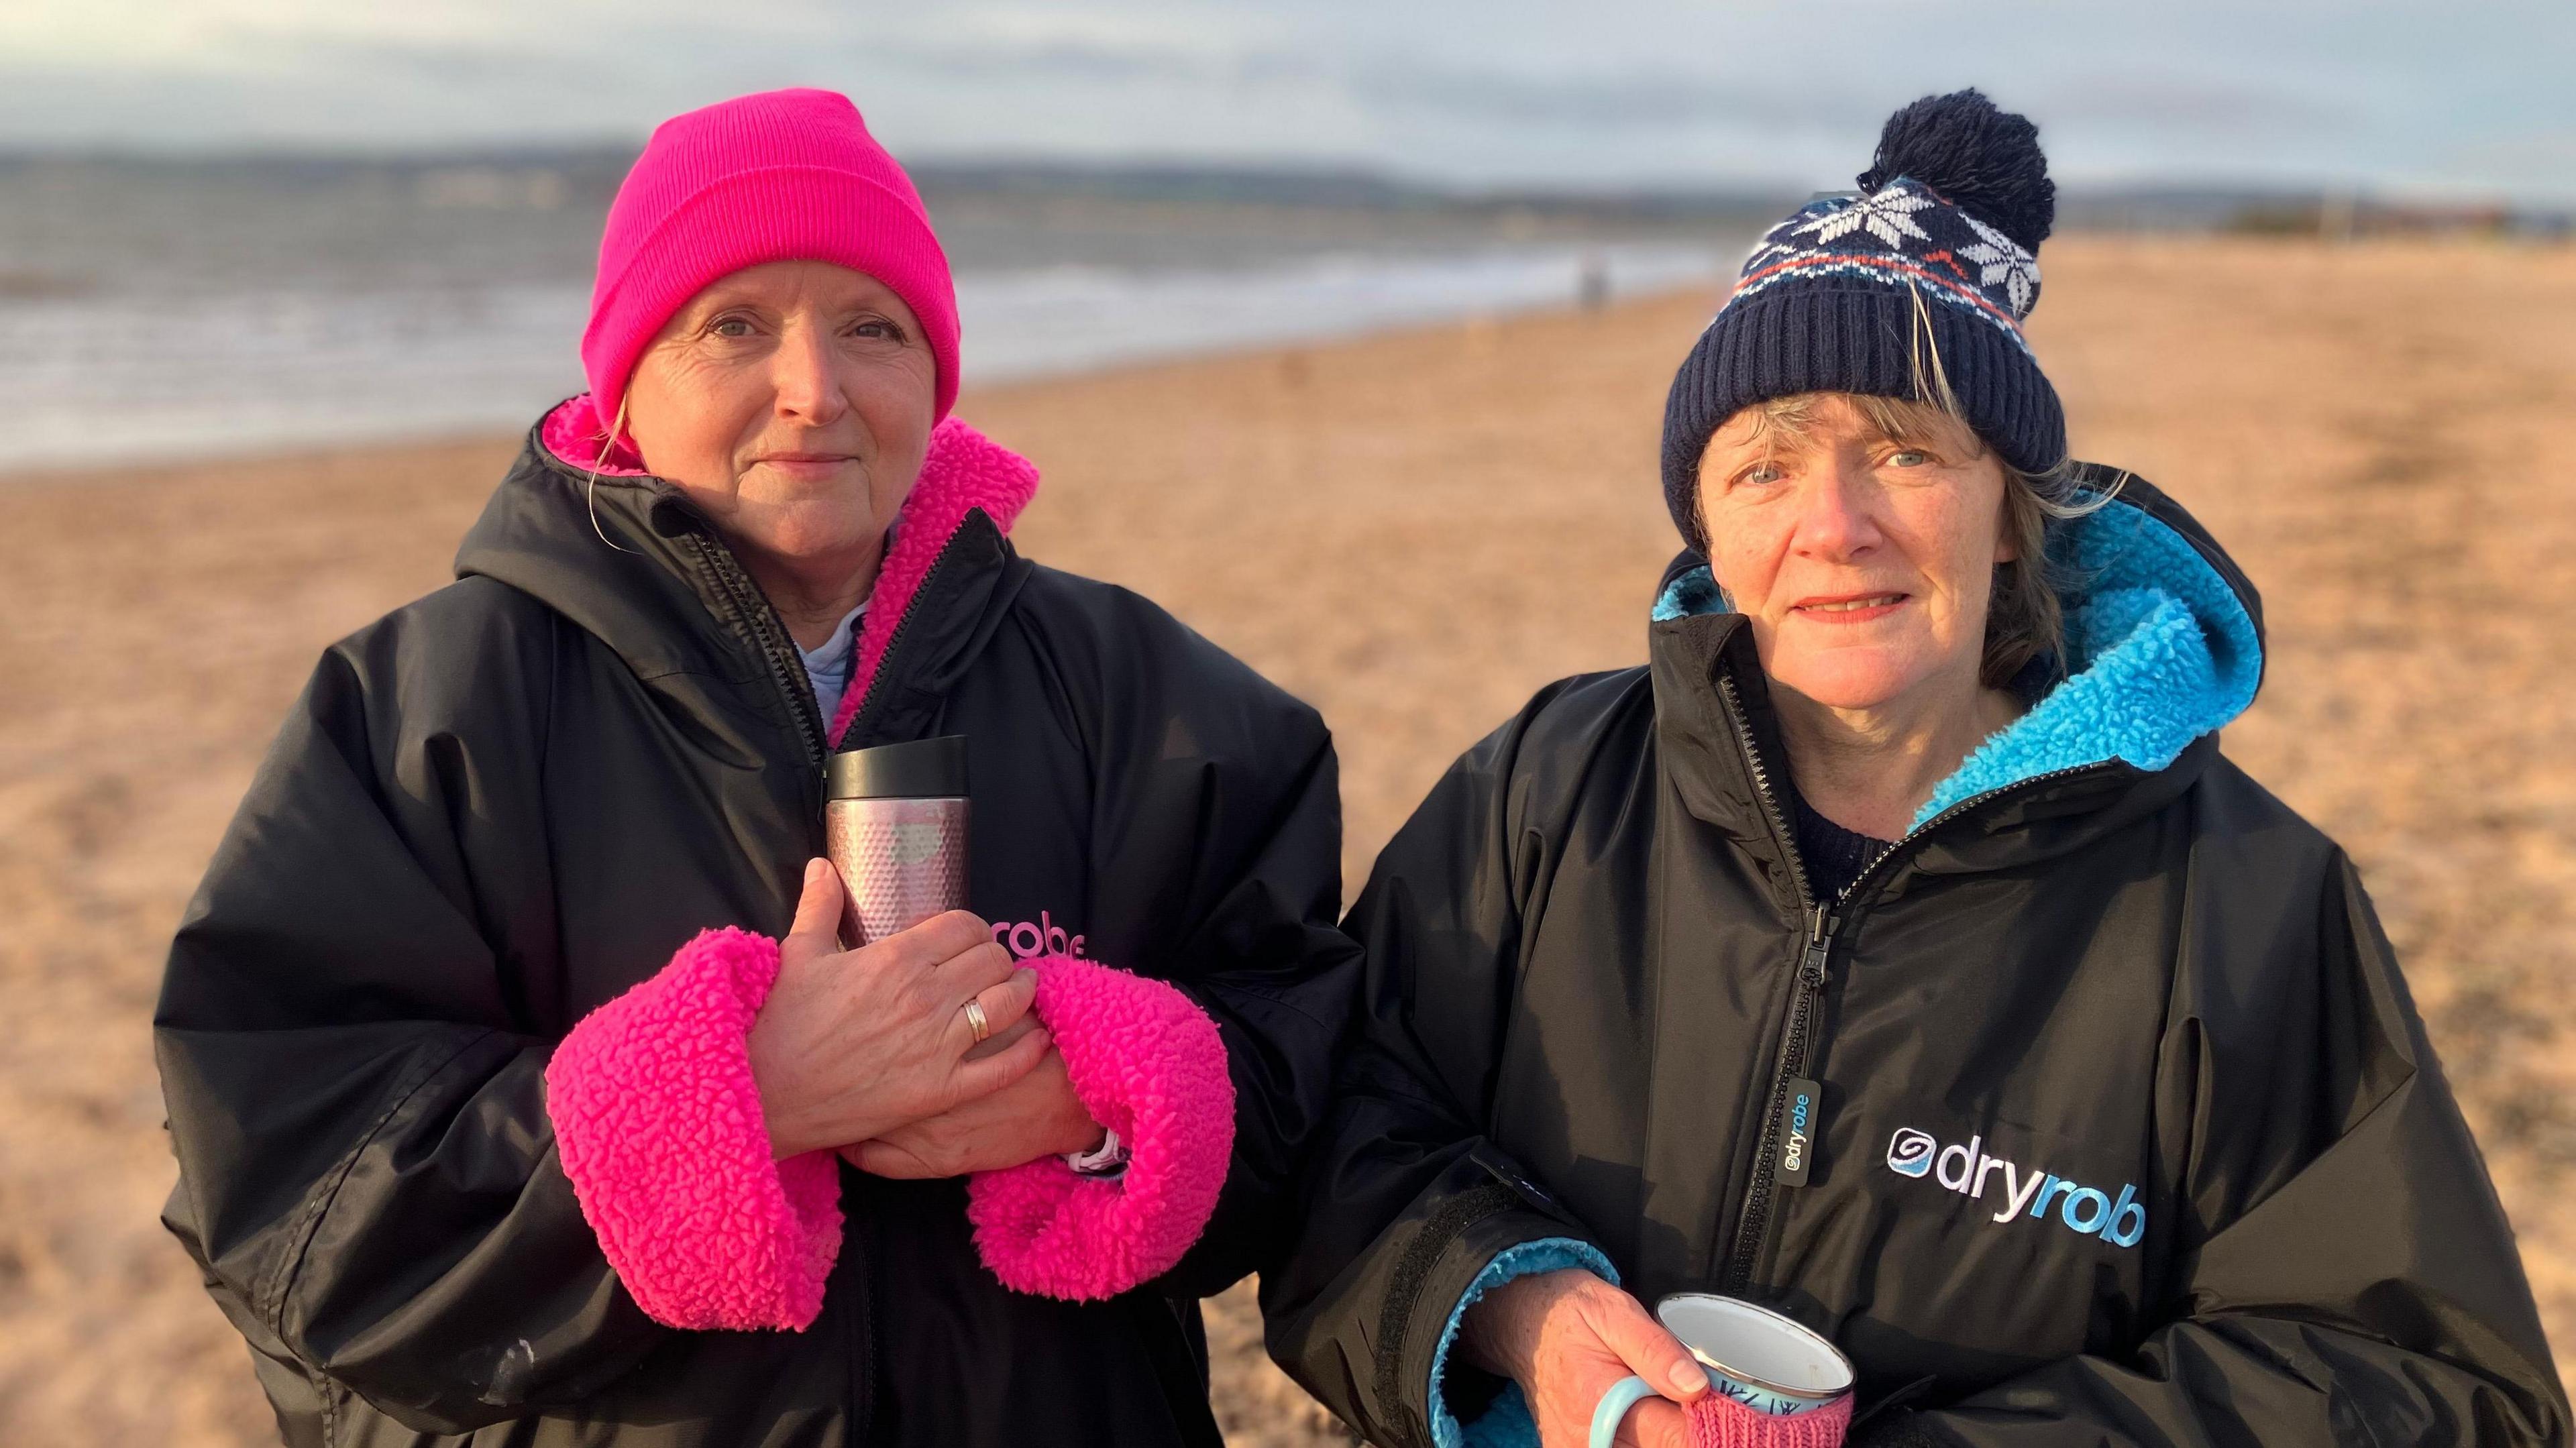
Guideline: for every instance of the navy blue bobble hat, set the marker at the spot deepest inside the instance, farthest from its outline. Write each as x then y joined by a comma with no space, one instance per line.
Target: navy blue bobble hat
1936,255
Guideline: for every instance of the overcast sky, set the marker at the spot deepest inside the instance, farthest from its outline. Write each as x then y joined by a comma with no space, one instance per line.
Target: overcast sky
2466,97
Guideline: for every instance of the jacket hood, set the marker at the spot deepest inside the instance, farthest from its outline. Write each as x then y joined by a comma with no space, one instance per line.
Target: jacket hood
581,525
2164,644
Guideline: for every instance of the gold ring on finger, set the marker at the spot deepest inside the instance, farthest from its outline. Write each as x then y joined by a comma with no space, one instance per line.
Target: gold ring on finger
975,1021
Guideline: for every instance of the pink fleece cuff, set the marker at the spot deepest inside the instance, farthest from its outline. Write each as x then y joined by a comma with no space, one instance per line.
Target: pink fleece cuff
1150,1066
659,1125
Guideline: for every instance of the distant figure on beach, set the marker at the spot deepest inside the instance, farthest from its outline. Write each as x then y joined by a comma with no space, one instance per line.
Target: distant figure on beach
1896,951
1592,284
518,1079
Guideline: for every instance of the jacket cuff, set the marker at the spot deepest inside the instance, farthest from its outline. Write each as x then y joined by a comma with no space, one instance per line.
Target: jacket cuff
1506,1423
1149,1065
659,1125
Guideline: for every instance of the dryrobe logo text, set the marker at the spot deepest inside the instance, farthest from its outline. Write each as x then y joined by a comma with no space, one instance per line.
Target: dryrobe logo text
1033,938
1966,1169
1797,1138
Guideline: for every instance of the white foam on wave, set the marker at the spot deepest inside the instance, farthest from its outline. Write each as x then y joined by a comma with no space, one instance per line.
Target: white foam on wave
121,377
1066,319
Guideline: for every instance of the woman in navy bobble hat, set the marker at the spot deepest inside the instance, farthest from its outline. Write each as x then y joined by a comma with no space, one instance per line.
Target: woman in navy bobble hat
1897,951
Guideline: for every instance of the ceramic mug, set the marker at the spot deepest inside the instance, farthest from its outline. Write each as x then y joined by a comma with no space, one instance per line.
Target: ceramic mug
1770,1363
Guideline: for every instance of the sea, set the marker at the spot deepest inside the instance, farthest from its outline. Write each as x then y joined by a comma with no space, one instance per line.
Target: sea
174,309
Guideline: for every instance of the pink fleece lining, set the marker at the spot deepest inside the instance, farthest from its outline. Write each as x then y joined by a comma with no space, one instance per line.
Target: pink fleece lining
1718,1421
963,470
1150,1066
659,1125
573,432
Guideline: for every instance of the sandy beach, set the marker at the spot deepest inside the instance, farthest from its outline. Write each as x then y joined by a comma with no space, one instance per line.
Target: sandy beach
1411,531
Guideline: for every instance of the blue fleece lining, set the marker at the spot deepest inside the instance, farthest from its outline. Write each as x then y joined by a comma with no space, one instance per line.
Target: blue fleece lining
1695,592
1507,1424
2159,652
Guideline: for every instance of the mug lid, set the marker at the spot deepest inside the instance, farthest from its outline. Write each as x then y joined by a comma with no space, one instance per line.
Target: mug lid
1757,1346
918,769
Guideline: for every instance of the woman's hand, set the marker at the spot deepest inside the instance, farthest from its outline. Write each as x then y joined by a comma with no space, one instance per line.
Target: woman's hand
854,1044
1567,1338
1036,1116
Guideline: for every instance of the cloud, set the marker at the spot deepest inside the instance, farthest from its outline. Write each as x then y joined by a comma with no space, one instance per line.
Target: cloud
1641,97
1614,92
2240,109
1067,63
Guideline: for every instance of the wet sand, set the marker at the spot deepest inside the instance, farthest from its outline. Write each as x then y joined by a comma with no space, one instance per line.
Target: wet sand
1412,531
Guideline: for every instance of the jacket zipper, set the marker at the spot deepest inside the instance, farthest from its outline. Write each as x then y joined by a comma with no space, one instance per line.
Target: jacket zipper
886,661
787,671
863,1384
770,638
1806,995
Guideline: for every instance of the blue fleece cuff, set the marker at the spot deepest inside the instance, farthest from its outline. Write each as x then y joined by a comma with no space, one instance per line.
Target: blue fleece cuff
1507,1424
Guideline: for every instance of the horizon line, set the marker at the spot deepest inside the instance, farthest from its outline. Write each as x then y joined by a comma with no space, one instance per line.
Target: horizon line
1390,185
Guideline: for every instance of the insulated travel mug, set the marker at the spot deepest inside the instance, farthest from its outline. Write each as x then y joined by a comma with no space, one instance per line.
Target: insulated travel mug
894,821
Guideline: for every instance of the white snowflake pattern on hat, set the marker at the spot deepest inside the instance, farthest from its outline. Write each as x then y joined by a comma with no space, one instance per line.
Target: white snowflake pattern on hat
2003,260
1763,251
1887,215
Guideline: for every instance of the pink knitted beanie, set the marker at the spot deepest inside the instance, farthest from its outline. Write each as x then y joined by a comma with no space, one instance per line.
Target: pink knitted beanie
780,176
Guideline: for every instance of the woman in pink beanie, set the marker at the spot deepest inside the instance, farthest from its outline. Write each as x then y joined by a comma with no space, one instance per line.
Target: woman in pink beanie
520,1085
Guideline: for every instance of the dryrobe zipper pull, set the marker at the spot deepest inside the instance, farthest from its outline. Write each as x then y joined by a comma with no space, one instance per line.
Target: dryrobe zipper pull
1802,1120
1820,943
1802,1102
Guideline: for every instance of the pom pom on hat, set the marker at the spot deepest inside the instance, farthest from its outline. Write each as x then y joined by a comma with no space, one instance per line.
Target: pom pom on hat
1984,160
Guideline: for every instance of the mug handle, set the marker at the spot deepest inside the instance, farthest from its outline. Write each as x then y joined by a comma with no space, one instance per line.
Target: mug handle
1623,1395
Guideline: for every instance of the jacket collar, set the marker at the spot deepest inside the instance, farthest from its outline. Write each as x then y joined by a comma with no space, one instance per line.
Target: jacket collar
2165,646
1714,726
582,526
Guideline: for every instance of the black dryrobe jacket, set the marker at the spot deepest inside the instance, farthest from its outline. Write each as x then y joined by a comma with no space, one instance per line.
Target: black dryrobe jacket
2094,1112
508,802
